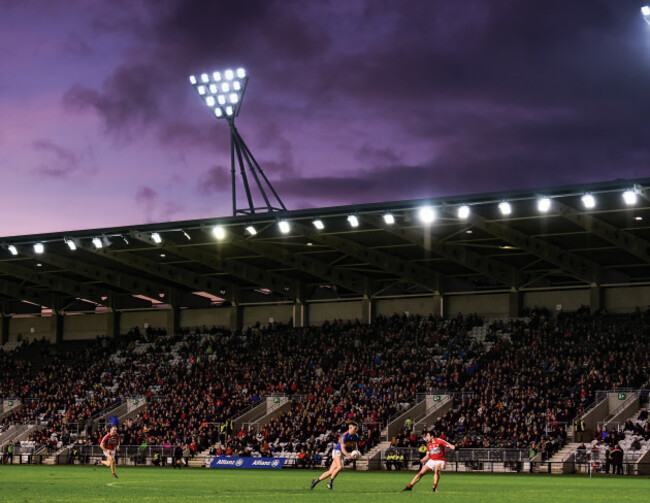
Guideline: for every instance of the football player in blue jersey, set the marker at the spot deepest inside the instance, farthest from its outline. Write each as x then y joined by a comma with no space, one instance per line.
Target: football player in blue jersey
347,443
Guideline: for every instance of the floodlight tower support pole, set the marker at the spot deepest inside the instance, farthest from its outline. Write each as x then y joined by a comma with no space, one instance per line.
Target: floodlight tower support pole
240,152
233,175
251,162
235,148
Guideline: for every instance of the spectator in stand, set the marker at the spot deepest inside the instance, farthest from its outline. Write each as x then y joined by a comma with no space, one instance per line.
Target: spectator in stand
302,459
178,456
390,460
579,429
616,458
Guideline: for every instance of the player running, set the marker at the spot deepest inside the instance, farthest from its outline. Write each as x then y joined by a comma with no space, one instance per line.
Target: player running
109,444
433,461
347,440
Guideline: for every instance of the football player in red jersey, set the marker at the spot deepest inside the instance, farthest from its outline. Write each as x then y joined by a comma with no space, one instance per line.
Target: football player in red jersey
433,461
109,445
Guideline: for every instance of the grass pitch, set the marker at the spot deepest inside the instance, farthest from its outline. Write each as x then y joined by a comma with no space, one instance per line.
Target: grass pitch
83,483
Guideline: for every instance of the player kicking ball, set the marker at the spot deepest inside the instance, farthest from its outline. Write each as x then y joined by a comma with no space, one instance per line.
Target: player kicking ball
347,440
109,445
434,460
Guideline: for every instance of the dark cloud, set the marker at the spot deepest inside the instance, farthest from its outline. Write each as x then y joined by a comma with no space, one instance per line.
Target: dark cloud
127,98
146,194
216,179
184,134
148,199
59,162
502,94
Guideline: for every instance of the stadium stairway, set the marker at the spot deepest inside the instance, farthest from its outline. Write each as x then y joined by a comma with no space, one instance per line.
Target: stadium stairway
62,451
199,460
372,460
258,416
16,434
562,460
423,411
643,461
436,407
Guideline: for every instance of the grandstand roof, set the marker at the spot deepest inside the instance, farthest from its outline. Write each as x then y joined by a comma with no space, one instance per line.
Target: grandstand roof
567,247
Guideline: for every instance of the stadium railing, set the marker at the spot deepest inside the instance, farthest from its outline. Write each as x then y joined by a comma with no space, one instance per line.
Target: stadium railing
493,459
464,460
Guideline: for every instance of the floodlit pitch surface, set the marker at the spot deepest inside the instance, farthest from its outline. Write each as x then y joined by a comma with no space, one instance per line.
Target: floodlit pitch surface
85,484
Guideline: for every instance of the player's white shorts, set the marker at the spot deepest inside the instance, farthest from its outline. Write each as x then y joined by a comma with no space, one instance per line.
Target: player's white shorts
109,453
336,453
433,463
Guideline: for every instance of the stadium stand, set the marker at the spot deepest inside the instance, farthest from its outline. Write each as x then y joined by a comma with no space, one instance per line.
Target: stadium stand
519,383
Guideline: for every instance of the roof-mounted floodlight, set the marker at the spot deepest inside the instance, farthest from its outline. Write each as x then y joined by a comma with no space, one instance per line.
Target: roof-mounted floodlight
389,218
71,244
645,11
354,221
156,238
98,243
284,226
222,92
219,232
630,197
13,250
505,208
543,204
251,230
588,201
318,223
39,248
463,212
427,214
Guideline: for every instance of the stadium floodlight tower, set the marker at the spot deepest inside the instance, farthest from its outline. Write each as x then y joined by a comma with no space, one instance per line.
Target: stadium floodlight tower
223,92
645,12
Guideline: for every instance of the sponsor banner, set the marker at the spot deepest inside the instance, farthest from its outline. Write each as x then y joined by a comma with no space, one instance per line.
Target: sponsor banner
235,462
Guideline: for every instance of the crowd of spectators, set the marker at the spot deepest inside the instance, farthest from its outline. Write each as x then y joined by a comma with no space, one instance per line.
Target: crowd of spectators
518,388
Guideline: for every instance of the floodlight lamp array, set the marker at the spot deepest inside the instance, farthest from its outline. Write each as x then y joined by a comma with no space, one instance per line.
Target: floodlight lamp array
645,12
222,92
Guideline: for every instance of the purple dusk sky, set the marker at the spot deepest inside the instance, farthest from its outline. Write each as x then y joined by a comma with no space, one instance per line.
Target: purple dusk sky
349,101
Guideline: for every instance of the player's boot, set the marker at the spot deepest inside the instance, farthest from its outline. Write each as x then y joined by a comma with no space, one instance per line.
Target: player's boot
407,488
330,485
435,489
115,475
313,483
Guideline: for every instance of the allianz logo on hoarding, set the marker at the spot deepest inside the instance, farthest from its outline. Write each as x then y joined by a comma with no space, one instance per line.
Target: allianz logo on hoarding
259,462
232,462
229,462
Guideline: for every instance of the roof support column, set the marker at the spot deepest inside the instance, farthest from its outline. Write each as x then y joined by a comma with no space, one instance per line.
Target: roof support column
367,310
57,326
174,314
514,303
300,314
113,324
4,328
439,304
236,317
596,297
